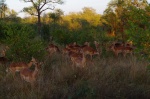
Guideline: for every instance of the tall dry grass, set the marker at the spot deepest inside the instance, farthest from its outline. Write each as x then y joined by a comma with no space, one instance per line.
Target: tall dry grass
103,78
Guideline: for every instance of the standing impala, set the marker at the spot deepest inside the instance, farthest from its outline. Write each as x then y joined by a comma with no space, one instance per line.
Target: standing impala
87,50
18,66
52,49
122,49
30,75
78,59
97,46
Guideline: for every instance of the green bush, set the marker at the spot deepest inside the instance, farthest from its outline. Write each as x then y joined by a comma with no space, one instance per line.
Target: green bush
23,42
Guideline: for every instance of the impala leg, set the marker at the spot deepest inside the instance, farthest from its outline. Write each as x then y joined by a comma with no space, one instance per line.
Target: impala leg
91,57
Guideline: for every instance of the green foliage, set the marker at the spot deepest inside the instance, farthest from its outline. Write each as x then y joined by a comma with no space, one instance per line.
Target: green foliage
22,42
138,30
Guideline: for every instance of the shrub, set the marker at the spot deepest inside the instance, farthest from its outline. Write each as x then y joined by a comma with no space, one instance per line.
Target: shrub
23,42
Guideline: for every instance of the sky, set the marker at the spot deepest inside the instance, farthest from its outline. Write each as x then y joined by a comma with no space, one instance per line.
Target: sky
68,6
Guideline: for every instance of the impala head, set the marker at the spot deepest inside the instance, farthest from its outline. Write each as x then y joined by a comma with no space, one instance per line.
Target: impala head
34,61
38,65
95,42
117,44
129,44
87,43
74,43
3,53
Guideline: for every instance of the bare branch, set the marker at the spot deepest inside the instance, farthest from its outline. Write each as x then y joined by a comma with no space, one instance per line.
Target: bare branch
27,0
43,5
32,13
47,9
33,4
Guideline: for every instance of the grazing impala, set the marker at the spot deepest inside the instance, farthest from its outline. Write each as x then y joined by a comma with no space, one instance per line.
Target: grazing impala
78,59
30,75
18,66
122,49
52,49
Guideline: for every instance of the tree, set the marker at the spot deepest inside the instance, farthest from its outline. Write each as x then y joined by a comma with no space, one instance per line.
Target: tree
118,13
12,13
39,6
56,15
89,14
3,8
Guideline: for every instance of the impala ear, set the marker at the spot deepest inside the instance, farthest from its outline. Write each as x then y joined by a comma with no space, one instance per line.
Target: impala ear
33,58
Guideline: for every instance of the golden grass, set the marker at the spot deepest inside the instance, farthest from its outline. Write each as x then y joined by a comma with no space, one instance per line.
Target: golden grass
103,78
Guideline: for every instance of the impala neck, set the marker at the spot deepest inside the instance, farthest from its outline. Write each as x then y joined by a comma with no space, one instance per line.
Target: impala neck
30,64
35,71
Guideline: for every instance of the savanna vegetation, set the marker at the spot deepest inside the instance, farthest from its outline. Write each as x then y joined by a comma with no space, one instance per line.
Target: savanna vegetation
105,77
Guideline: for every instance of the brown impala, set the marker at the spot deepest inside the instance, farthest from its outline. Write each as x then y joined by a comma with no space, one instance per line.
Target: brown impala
87,50
30,75
18,66
122,49
77,59
52,49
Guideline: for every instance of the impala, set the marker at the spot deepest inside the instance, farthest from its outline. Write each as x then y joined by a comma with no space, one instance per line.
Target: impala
72,44
129,44
3,53
97,46
85,45
74,49
114,44
52,49
77,59
30,75
18,66
65,51
87,50
128,50
121,49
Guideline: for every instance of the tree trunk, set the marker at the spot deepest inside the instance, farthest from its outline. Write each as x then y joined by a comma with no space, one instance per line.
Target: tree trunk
39,25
